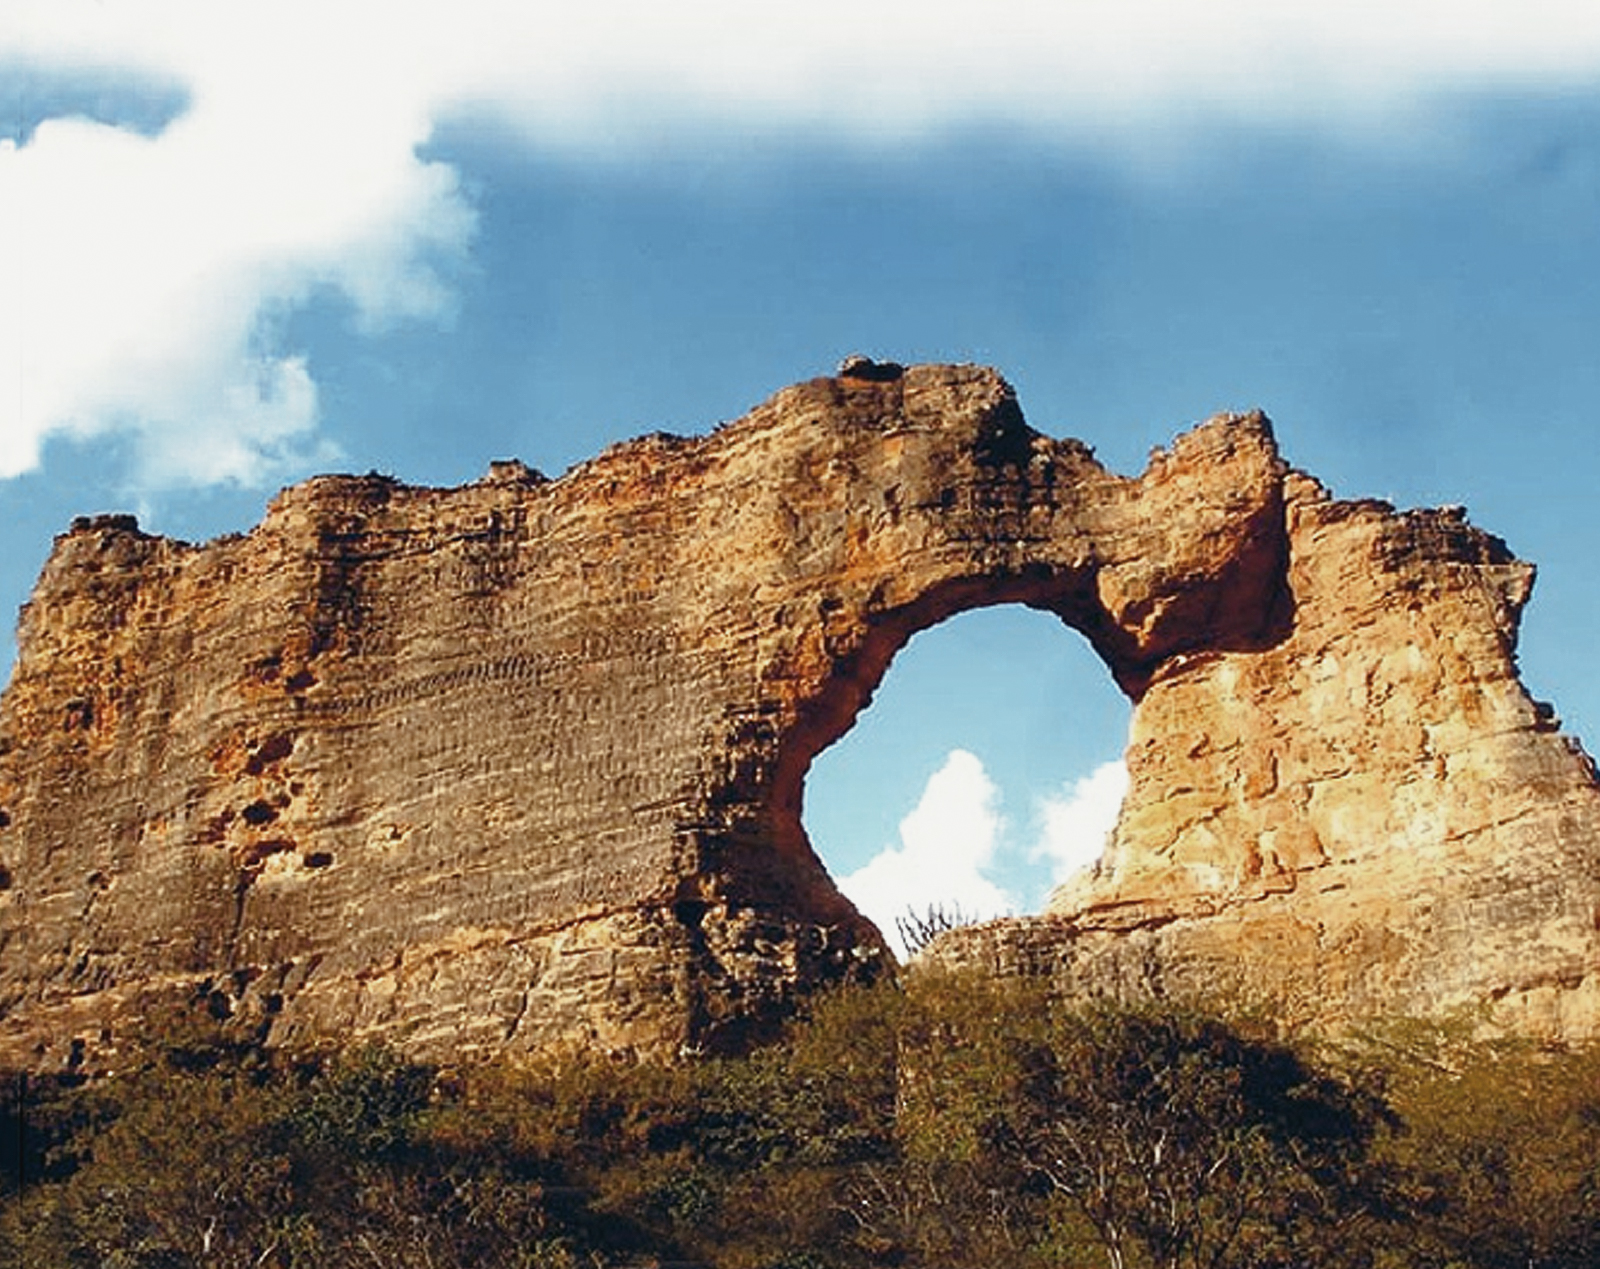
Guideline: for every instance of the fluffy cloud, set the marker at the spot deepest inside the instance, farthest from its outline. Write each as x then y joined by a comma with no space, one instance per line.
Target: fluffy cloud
947,844
144,278
955,848
1075,822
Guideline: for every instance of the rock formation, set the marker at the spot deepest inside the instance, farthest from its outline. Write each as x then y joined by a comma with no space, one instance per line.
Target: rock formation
1369,817
522,762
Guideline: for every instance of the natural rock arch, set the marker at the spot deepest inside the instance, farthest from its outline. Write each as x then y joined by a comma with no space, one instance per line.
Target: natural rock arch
520,762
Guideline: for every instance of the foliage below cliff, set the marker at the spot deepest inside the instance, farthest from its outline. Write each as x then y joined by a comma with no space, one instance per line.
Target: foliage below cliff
950,1123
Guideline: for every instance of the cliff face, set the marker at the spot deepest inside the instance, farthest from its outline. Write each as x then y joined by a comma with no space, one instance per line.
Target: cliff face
521,762
1369,817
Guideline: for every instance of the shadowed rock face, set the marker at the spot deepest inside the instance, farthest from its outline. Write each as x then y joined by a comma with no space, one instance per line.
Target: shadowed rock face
521,762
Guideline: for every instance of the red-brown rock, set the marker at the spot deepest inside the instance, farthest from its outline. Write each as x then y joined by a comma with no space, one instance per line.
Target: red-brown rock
521,762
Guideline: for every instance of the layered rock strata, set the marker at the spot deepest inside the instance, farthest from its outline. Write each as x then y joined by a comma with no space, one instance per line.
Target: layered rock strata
1368,818
521,762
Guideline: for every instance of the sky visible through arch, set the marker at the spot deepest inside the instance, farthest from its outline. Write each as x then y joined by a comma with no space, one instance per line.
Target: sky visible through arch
241,243
948,793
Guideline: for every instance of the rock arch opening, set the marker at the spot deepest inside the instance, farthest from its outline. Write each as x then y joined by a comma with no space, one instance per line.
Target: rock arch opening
986,767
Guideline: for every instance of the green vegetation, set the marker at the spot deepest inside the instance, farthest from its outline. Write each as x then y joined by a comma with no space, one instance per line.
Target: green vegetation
947,1123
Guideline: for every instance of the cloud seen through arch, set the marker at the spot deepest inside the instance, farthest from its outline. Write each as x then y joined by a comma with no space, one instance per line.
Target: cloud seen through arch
954,843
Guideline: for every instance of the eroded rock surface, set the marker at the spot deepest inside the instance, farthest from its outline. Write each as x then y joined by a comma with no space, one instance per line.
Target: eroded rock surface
521,762
1368,818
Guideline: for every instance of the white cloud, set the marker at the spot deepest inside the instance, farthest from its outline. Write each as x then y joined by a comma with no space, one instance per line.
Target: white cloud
1074,823
142,277
893,68
946,846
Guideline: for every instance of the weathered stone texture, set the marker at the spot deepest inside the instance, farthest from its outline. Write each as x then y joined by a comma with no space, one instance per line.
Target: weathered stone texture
1369,817
522,761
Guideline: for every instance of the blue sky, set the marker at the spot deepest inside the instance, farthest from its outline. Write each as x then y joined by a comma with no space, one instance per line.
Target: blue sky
238,249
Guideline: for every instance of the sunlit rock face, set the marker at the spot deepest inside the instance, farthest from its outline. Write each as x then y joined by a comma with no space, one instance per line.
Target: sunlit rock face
1367,818
520,763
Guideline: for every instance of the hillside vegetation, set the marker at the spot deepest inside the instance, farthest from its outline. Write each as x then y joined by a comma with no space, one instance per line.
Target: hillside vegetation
946,1122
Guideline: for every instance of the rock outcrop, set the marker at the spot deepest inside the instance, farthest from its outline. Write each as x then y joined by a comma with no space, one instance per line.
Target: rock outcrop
1368,818
522,762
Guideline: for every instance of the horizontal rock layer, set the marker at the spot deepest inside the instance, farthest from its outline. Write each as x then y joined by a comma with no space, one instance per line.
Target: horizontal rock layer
521,762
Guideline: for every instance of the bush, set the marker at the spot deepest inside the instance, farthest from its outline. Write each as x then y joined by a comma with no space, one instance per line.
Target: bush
951,1122
1501,1153
1166,1136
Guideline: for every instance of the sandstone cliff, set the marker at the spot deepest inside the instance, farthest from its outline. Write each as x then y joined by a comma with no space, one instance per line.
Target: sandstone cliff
522,761
1368,818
